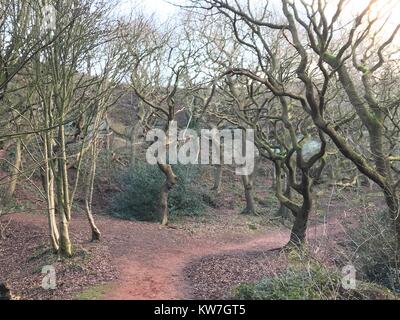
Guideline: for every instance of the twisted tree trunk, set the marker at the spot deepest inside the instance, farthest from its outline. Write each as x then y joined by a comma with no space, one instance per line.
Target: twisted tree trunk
248,191
170,182
298,232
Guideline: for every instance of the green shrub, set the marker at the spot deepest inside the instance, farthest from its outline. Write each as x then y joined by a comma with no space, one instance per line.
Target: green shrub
141,185
294,284
373,250
315,282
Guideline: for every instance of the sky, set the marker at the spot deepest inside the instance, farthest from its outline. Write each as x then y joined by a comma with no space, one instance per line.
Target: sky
164,9
161,8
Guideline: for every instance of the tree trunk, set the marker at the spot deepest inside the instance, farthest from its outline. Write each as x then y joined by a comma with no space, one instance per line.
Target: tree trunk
248,191
48,187
65,242
15,170
317,172
298,233
136,133
274,177
169,183
283,211
63,171
393,203
54,234
217,178
89,195
299,229
218,168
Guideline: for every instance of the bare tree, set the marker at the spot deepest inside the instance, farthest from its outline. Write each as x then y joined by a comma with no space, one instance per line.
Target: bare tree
72,103
328,56
162,78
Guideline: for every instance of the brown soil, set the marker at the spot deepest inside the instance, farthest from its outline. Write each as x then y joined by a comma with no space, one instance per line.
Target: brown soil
151,262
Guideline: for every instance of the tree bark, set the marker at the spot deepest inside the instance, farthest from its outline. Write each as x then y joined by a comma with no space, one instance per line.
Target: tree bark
393,203
54,234
283,210
63,200
48,185
170,182
65,242
248,191
89,194
298,233
217,178
136,132
15,170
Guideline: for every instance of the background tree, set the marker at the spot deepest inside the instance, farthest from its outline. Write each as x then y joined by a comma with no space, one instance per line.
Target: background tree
328,56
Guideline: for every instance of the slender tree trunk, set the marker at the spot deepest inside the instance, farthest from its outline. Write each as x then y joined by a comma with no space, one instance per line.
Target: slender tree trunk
49,182
65,242
15,170
217,178
283,210
54,234
135,138
317,173
170,182
248,191
89,194
48,185
274,177
218,170
64,173
63,199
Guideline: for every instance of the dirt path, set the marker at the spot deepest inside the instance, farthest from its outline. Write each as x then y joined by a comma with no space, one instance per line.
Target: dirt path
156,271
159,274
151,259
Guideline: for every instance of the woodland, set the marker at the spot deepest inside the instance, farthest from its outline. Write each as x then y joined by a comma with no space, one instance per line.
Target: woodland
85,216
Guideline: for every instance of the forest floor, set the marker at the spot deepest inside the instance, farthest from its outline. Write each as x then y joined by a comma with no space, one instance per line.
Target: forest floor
137,260
198,257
